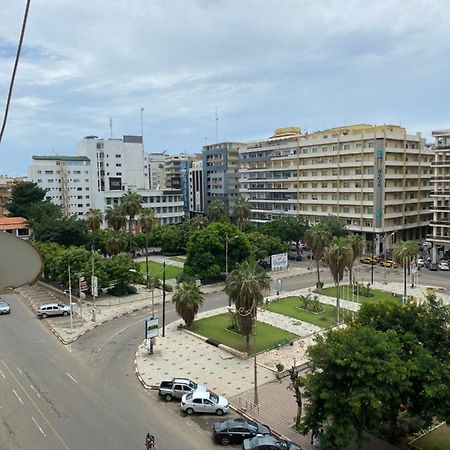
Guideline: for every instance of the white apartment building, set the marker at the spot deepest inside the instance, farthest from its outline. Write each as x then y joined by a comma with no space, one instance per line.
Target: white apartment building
376,178
104,170
440,194
196,188
156,169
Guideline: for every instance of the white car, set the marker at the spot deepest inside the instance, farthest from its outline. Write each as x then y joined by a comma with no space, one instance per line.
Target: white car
4,308
443,266
204,402
420,262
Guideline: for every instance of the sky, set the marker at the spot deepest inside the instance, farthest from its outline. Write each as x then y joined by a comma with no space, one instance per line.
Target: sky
262,64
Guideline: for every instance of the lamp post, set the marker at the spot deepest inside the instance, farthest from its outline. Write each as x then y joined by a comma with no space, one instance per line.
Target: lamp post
70,301
93,286
386,245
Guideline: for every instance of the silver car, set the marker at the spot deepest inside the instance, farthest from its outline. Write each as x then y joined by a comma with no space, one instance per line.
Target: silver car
53,309
204,402
5,308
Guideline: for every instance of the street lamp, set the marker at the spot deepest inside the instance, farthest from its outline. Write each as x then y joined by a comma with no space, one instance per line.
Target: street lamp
386,245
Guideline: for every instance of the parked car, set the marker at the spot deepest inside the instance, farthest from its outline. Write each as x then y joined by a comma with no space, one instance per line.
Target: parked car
5,308
268,443
234,431
433,266
443,266
53,309
177,387
388,263
204,402
420,262
367,260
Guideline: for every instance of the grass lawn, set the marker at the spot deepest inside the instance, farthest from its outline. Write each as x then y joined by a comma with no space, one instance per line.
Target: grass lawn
438,439
289,306
156,269
214,328
181,259
345,294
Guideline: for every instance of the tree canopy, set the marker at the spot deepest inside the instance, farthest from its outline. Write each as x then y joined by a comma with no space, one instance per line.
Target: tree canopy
24,195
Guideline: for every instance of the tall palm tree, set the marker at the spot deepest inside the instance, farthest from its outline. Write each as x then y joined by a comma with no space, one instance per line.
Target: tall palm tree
116,217
148,222
198,222
187,298
242,211
403,252
338,255
116,244
357,243
245,287
94,219
216,211
131,204
317,237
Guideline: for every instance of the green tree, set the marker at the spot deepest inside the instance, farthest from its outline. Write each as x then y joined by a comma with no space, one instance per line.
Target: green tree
94,219
66,231
51,253
198,223
355,373
287,229
317,238
338,256
23,195
216,211
242,211
357,243
263,246
335,225
131,206
148,222
116,244
245,287
403,252
172,239
187,298
116,218
206,250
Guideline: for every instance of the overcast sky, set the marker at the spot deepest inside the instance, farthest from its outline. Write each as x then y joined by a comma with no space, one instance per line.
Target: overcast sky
263,64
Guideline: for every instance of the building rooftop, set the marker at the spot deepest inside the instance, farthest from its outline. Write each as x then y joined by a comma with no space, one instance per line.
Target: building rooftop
61,158
12,223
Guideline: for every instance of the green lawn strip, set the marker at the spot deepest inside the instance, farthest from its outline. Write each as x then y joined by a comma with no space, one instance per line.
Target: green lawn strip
156,269
346,294
438,439
289,306
215,328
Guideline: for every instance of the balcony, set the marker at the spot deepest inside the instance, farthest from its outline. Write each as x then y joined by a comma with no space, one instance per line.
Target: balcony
440,163
440,222
432,237
439,208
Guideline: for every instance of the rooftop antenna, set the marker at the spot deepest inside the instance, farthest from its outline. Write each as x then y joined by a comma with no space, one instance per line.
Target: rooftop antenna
110,126
217,127
142,125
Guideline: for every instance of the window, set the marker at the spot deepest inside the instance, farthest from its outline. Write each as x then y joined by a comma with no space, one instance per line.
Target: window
118,165
346,146
324,149
324,173
324,185
118,156
314,150
324,196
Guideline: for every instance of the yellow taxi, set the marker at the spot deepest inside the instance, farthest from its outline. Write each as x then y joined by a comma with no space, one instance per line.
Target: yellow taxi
388,263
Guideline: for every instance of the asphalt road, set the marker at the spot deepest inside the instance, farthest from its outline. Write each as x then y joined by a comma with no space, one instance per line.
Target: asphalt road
86,396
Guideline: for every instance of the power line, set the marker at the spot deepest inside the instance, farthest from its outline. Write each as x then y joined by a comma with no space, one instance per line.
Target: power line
13,76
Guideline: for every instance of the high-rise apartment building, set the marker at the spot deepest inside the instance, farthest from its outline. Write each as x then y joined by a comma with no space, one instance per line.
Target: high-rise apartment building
376,178
221,174
99,176
156,173
440,194
196,188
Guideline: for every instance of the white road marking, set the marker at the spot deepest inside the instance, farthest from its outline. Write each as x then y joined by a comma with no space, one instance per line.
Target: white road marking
69,348
17,395
36,406
34,389
71,377
2,374
21,373
40,429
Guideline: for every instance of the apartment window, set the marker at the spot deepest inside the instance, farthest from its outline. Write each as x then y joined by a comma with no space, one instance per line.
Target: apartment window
313,208
334,185
371,144
305,150
358,171
335,147
324,173
346,184
324,209
324,149
49,172
314,173
334,209
324,197
39,171
357,210
324,185
346,146
50,181
346,171
314,196
314,185
357,184
314,150
79,189
368,223
118,165
334,197
305,185
346,209
77,172
118,156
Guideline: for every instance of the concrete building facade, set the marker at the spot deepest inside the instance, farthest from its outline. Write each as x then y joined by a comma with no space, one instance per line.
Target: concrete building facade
196,188
221,174
376,178
440,194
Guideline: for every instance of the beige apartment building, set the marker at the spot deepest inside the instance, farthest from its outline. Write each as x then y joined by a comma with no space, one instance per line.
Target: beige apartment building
440,194
376,178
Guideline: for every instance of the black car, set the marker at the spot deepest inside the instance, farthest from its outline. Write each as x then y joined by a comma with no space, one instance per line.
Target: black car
433,266
234,431
268,443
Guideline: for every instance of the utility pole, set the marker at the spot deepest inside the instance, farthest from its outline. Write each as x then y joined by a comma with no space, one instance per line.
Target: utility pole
255,367
70,301
93,286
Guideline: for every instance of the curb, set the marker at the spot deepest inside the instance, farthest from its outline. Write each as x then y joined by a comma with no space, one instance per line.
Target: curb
148,387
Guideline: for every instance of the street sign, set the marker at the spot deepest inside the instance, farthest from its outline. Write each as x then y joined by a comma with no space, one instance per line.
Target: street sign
151,327
279,262
94,286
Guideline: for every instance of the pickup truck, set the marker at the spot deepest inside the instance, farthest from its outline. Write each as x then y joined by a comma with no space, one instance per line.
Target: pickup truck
177,387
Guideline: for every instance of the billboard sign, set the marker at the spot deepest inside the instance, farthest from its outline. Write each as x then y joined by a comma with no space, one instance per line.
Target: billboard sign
115,184
151,327
279,262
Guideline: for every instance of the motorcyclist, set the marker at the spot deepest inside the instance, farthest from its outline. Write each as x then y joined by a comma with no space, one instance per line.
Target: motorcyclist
149,441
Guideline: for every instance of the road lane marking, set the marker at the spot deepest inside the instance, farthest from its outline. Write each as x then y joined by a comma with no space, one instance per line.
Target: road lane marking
21,373
72,378
69,348
35,405
2,374
40,429
34,389
17,395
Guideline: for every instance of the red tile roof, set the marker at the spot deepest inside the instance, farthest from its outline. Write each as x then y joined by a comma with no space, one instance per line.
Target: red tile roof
13,223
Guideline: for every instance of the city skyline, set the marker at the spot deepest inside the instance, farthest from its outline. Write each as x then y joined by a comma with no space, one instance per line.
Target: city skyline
288,63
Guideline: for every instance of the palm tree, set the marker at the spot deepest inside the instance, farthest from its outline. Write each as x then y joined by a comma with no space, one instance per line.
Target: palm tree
338,255
115,217
94,219
317,238
198,222
356,243
245,287
131,205
187,298
242,211
148,222
116,244
216,211
402,252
